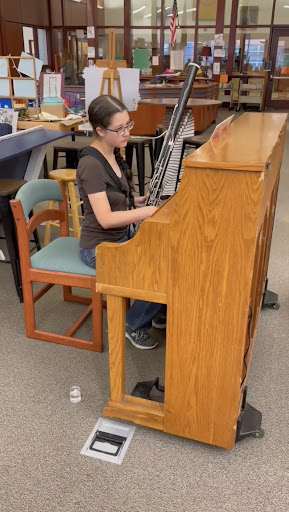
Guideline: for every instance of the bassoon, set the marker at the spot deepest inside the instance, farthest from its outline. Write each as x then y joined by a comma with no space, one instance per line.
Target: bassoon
155,187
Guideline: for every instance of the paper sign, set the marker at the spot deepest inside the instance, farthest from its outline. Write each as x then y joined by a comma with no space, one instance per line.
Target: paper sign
220,135
177,59
90,33
219,52
92,77
218,40
216,68
129,84
91,52
79,34
223,79
140,58
26,66
155,60
52,83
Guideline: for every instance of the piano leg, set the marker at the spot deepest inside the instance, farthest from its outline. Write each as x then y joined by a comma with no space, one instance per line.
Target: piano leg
116,308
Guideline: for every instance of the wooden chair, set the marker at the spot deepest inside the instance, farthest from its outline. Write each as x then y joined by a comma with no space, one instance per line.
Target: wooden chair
57,263
68,178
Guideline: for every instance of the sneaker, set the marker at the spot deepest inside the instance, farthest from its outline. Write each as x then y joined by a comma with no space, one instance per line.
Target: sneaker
140,339
160,322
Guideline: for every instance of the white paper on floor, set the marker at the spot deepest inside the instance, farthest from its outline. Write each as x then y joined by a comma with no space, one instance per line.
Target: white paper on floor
108,441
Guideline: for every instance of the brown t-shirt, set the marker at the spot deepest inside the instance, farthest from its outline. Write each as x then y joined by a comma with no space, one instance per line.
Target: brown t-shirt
93,178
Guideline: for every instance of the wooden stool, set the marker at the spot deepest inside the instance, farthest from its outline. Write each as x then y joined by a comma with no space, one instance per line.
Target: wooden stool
158,142
68,178
139,144
71,151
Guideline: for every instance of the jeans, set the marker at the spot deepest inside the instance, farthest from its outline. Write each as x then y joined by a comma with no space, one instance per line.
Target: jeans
141,313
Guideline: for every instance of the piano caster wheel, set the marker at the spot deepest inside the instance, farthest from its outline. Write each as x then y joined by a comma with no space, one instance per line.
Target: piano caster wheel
275,306
259,433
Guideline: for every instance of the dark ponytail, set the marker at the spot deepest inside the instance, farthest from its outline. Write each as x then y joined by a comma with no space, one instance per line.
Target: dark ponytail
124,167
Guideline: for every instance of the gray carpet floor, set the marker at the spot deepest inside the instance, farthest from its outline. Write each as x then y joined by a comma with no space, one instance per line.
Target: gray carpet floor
42,433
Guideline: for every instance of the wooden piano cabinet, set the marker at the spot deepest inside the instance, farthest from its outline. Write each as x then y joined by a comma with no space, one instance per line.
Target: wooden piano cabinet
205,254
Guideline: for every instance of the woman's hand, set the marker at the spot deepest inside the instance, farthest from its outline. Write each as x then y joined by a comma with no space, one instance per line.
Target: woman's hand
140,201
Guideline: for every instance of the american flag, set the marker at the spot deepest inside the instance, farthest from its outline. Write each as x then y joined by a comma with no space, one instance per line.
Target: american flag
173,23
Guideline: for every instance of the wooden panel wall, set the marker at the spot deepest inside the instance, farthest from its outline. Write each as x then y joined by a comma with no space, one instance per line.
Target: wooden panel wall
75,14
56,13
32,13
16,13
12,38
11,10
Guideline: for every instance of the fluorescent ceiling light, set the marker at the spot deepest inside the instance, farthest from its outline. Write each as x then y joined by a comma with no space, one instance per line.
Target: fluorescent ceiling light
159,10
166,8
286,6
190,10
140,9
100,7
180,12
76,0
147,16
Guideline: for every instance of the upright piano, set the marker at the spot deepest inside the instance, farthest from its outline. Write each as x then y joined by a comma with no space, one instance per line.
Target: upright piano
205,254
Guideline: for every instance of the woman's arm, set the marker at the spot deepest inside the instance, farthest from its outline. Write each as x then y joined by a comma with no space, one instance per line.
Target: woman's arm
108,219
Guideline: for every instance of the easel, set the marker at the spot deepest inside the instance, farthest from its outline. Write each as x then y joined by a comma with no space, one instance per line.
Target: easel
111,75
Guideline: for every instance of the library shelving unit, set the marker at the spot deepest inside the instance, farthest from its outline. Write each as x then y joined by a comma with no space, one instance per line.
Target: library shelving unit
250,93
226,93
10,63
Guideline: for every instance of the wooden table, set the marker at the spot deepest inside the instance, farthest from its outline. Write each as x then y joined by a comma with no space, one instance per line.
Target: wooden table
51,125
150,113
22,153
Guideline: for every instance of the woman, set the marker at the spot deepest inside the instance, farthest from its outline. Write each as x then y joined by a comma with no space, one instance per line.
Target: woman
67,67
105,187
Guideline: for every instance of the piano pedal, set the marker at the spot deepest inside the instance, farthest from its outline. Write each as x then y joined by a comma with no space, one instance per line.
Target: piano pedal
144,389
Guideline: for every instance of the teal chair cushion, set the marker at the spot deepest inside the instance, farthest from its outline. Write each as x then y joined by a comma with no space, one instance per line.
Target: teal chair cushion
61,255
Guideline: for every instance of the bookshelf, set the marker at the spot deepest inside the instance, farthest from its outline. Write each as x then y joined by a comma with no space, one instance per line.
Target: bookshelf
17,87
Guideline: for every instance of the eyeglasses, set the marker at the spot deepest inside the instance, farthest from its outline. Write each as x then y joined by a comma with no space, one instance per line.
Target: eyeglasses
121,131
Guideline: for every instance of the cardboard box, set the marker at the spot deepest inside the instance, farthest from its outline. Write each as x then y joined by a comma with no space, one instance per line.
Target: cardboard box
33,111
56,109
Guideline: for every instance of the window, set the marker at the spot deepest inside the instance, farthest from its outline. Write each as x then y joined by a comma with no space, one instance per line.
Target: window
146,13
109,13
281,13
102,39
254,12
183,50
250,50
186,11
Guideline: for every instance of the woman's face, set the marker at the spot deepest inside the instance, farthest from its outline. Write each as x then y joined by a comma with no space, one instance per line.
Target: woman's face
117,132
